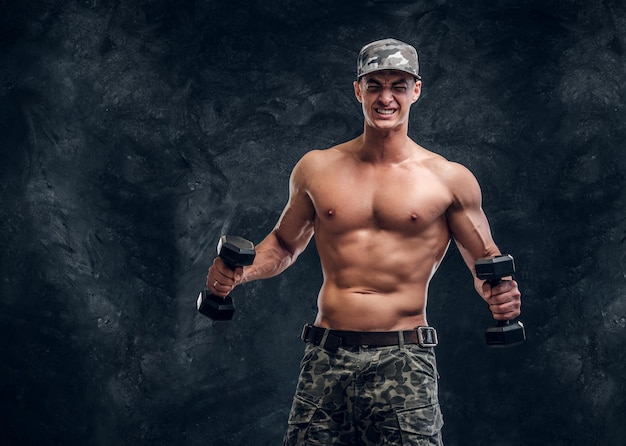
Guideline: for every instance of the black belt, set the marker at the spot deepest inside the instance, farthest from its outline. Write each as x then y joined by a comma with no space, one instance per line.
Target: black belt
333,339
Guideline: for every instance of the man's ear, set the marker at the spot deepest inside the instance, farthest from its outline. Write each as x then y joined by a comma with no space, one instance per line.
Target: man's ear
357,91
417,91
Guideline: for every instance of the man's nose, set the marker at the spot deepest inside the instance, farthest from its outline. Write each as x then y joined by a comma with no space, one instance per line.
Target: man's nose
385,95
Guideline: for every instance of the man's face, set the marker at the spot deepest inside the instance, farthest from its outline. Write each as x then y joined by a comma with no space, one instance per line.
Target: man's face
387,97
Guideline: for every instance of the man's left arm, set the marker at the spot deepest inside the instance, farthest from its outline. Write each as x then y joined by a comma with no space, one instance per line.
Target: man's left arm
472,234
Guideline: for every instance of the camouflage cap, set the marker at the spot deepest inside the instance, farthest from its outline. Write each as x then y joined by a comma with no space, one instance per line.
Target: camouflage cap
387,54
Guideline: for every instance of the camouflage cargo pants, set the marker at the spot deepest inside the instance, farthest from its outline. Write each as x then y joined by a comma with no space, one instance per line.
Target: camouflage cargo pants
366,396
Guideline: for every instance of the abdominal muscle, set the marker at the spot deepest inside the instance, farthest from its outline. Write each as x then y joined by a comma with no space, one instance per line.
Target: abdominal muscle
376,281
369,310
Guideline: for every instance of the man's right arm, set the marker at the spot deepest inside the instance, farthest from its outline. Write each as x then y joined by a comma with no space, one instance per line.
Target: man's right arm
281,247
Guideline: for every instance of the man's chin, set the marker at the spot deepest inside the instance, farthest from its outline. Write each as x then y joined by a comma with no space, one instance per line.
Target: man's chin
385,124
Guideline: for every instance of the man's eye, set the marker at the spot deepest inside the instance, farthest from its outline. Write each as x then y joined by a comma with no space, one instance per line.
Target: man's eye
399,88
373,88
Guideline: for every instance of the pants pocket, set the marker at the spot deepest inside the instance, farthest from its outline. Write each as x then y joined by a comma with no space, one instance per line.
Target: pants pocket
420,425
300,417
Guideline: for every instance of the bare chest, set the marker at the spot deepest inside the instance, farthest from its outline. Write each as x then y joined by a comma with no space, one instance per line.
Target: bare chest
395,199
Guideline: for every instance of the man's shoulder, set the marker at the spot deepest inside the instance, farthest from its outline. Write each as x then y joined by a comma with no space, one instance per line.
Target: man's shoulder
321,157
455,176
314,162
442,166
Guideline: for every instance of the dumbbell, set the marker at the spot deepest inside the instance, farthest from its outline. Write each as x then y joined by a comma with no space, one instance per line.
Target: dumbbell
234,251
493,269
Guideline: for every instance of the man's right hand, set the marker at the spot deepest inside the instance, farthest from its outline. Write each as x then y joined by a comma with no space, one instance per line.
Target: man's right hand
221,280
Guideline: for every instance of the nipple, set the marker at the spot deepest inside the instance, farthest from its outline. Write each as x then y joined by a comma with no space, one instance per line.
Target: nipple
331,212
414,216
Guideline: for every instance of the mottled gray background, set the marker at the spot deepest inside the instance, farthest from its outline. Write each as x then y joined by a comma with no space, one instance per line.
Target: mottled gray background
134,132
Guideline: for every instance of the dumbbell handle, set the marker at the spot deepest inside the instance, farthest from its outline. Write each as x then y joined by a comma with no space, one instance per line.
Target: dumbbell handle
234,251
505,332
216,307
494,282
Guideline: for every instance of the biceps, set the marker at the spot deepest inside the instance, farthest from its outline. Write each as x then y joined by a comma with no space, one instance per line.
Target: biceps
295,226
472,233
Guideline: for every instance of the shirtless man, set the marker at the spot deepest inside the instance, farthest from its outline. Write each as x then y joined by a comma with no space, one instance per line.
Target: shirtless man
383,211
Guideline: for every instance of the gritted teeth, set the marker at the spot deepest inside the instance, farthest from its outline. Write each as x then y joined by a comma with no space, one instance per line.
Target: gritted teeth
385,111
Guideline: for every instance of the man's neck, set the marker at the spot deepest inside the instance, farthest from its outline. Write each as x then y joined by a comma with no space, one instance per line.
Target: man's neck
386,146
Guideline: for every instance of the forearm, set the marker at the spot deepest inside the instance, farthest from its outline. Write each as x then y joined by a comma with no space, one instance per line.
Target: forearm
489,250
271,259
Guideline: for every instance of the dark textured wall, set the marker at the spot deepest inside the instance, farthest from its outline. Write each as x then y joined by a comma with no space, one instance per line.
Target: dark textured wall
134,132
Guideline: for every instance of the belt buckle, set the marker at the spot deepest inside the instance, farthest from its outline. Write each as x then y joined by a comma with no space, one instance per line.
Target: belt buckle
427,337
